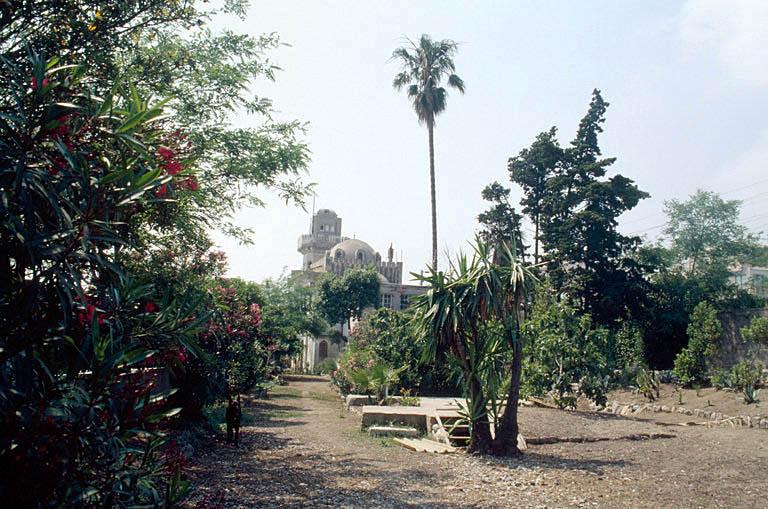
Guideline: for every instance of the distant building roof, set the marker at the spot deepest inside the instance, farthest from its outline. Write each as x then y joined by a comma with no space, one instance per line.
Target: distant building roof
354,249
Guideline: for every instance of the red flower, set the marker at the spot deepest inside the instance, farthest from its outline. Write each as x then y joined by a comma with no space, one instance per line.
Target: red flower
172,167
59,131
87,316
190,183
160,191
165,153
150,307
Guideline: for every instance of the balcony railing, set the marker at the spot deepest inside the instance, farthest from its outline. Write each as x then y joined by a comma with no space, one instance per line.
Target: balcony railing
321,240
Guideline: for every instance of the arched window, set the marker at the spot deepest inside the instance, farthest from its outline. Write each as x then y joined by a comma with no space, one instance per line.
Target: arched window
360,256
339,255
323,349
378,259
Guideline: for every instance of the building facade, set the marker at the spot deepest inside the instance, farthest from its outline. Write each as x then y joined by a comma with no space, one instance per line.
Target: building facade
751,278
325,251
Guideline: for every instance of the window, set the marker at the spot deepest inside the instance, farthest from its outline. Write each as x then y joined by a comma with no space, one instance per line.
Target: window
323,349
386,300
404,301
360,257
339,254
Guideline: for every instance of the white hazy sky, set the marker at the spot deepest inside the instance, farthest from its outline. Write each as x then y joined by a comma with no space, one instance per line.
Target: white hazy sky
687,84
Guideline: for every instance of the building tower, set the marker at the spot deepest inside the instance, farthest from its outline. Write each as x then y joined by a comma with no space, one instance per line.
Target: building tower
324,233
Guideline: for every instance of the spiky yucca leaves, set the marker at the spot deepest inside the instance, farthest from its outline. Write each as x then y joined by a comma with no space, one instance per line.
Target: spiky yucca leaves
456,316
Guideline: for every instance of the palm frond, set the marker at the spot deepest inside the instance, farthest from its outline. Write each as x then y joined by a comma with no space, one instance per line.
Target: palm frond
456,82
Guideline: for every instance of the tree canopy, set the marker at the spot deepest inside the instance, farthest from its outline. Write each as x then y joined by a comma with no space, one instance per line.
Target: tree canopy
105,259
532,169
705,233
501,223
575,208
346,297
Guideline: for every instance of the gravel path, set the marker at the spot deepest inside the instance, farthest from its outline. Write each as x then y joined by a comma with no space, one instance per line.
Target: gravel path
303,450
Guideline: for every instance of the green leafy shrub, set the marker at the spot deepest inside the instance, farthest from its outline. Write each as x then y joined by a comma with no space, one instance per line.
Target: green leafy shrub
326,367
625,348
688,367
721,379
746,374
350,362
565,352
388,336
704,331
408,399
83,343
757,332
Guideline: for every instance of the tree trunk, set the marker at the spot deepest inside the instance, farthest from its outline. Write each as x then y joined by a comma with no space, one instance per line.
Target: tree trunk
430,128
480,441
505,442
536,240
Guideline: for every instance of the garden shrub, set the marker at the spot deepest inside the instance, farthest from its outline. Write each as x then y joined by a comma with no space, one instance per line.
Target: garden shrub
82,341
388,337
688,367
564,349
721,379
326,367
746,374
704,330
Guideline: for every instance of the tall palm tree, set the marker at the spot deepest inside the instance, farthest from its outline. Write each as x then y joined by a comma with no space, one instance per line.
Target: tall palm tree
424,65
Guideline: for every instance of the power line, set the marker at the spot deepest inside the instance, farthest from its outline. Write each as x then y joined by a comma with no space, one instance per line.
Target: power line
659,214
647,229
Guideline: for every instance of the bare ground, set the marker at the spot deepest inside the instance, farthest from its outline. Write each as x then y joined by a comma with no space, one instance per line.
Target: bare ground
303,450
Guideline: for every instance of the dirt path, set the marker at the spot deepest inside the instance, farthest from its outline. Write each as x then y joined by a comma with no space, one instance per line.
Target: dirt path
303,450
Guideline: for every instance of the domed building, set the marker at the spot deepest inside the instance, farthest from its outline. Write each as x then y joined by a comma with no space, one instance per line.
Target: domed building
326,251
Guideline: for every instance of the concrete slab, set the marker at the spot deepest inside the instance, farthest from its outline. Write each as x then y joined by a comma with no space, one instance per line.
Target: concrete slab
424,445
358,400
389,431
407,415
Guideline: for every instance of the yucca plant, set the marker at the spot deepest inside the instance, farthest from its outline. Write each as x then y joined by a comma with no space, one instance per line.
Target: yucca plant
647,383
453,316
750,393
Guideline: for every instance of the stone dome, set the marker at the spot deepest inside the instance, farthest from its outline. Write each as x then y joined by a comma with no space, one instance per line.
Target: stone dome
354,250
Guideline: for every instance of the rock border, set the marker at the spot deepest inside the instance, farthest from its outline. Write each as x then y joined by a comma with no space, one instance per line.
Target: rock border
713,418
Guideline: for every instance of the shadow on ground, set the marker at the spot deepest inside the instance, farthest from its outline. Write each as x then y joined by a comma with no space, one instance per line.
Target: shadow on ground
304,480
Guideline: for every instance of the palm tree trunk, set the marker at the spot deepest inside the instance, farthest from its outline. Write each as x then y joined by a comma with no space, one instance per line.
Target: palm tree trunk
430,128
505,441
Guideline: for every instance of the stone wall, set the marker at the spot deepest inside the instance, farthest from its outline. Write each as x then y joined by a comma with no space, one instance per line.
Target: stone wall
732,347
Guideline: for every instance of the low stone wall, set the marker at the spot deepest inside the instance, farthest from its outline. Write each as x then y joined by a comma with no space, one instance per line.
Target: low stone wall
713,418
